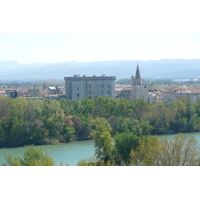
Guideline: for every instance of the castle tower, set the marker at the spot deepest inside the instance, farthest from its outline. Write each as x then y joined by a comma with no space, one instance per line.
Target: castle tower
137,85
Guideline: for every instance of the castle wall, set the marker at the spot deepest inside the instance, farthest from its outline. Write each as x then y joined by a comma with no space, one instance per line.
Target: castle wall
89,87
68,89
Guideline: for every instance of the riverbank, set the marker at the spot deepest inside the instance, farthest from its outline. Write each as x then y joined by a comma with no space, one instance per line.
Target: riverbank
57,142
49,142
70,153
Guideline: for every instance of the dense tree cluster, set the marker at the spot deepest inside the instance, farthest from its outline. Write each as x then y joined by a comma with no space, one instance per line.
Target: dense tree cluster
141,150
154,151
36,121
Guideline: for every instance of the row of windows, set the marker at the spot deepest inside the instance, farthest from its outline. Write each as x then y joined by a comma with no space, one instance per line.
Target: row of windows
108,92
138,82
90,86
90,93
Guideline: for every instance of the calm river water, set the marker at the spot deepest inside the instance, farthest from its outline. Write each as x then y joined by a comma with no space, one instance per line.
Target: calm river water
69,153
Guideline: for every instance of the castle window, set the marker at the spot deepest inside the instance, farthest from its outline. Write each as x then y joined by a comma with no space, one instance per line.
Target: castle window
108,86
89,92
77,94
101,86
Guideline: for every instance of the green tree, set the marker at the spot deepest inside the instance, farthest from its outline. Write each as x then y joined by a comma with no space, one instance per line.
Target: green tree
67,106
103,141
197,107
68,130
179,112
53,118
131,125
139,127
33,156
113,122
102,106
160,117
129,139
88,106
124,143
138,108
15,130
122,125
5,115
191,114
78,126
87,127
36,133
121,109
154,151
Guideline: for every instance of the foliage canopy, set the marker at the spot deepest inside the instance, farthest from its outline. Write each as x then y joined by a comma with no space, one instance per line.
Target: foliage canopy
154,151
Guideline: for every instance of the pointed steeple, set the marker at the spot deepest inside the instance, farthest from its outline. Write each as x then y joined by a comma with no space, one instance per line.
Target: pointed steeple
137,75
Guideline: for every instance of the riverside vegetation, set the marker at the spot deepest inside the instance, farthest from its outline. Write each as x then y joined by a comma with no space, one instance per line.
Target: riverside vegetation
148,151
120,127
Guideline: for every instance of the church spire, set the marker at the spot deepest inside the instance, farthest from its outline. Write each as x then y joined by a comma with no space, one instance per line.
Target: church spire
137,75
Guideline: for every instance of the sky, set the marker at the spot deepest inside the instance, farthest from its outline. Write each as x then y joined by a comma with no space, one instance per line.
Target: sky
42,31
88,47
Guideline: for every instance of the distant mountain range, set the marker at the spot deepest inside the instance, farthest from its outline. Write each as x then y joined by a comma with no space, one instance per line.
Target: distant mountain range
166,68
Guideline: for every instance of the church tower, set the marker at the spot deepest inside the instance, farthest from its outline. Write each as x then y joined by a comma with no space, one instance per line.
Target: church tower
137,85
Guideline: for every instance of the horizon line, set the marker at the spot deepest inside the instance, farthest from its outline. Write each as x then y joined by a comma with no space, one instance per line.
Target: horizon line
99,61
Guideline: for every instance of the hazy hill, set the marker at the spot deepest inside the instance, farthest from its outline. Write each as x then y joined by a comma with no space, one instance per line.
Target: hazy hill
166,68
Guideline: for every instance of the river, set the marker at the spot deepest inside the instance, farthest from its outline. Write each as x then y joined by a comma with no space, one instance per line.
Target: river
69,153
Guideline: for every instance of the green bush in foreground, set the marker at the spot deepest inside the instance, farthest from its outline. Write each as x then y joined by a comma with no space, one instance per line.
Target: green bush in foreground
33,156
154,151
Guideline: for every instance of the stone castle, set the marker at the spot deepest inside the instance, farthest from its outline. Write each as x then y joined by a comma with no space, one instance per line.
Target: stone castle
78,87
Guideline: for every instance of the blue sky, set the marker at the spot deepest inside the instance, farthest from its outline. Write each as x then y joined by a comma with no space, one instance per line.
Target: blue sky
87,47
